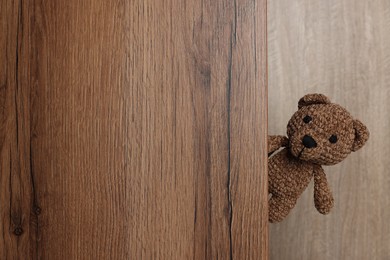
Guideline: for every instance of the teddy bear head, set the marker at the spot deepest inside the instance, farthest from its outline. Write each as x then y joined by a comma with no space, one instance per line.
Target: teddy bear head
324,133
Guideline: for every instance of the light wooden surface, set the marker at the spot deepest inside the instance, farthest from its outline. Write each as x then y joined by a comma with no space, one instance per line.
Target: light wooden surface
342,49
133,129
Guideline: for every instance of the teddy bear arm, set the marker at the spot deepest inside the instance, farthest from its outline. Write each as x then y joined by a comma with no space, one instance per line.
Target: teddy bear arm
275,142
323,198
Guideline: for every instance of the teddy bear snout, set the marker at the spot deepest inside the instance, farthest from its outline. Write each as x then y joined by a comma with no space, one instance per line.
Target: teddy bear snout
309,142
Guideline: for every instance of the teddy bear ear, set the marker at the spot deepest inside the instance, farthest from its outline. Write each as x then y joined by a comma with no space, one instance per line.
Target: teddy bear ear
361,135
311,99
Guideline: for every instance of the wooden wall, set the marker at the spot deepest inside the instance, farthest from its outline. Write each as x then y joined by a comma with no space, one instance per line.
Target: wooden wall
342,49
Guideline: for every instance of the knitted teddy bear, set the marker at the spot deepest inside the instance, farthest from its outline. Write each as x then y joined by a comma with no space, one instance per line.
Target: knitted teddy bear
319,133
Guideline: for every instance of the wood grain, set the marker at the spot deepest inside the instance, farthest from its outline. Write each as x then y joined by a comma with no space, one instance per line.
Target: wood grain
341,49
133,129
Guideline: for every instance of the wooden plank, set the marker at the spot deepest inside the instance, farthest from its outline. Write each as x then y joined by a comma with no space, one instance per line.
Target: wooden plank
18,216
133,129
248,129
342,49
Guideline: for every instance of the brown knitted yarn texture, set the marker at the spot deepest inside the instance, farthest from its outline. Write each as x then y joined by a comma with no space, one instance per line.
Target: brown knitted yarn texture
319,133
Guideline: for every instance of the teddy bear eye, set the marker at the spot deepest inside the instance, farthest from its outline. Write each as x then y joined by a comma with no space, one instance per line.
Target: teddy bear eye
307,119
333,139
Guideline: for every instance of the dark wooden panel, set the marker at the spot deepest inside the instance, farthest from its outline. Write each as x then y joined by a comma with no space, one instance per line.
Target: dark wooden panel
133,129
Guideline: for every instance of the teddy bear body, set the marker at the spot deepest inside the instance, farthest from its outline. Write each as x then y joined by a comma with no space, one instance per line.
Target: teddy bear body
319,133
286,183
290,180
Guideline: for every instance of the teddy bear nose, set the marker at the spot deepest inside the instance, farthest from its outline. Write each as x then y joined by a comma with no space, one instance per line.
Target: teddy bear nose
309,142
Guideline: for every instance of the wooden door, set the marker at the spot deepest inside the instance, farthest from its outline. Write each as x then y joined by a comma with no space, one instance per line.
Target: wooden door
133,129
